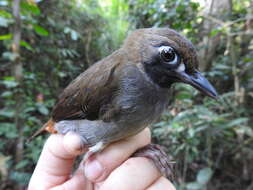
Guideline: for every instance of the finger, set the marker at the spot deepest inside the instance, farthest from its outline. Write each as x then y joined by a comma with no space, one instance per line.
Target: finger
136,173
77,182
114,155
56,160
161,184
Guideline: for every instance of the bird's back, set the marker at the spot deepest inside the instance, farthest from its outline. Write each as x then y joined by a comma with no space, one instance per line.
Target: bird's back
92,89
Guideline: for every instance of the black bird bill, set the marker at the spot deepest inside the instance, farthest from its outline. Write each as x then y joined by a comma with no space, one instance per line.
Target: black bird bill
198,81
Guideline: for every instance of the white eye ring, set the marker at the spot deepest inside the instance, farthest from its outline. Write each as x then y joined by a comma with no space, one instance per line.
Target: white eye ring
168,48
181,68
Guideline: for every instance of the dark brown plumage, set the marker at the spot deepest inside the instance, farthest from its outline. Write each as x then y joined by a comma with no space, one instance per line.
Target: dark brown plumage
125,92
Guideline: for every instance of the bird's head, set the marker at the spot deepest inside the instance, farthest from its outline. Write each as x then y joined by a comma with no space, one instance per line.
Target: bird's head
167,57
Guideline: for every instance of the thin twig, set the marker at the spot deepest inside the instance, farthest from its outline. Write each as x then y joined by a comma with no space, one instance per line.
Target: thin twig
226,24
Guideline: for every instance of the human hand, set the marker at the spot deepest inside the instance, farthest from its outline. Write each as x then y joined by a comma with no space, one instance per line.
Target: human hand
110,169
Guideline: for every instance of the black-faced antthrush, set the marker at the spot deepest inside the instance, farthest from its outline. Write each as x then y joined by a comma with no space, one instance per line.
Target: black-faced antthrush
125,92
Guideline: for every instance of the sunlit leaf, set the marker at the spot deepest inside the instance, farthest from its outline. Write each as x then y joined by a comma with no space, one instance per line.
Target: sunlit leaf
5,14
26,45
8,78
31,7
245,130
9,113
194,186
9,83
73,34
6,37
40,30
6,94
204,175
4,22
10,56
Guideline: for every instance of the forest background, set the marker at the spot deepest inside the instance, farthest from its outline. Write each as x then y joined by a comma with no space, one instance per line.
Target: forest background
44,44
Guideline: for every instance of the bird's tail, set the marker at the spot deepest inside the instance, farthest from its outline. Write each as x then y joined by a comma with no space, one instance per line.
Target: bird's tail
48,126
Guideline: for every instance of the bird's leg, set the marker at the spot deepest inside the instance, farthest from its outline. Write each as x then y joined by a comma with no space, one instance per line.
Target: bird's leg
155,153
94,149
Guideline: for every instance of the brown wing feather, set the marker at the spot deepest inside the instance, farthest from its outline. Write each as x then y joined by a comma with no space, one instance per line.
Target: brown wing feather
89,95
89,92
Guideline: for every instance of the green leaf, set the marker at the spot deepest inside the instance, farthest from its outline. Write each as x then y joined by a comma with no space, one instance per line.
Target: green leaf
236,122
8,130
5,14
73,34
10,56
42,109
30,7
10,84
183,95
20,177
214,32
9,113
40,30
245,130
194,186
22,164
204,175
6,94
4,22
6,37
26,45
29,109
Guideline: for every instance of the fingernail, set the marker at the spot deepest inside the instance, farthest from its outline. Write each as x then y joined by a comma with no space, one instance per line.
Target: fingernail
93,170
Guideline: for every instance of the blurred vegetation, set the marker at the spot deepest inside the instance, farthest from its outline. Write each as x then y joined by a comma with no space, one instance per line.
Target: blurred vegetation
46,43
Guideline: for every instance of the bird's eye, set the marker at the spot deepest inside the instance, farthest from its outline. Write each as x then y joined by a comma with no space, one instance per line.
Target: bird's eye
168,54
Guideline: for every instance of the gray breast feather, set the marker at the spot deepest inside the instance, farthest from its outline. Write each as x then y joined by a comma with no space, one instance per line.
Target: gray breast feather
140,100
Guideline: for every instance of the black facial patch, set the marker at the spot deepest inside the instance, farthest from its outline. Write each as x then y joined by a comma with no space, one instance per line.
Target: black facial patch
158,69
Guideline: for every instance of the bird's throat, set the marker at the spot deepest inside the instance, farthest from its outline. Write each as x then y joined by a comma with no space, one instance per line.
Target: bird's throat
159,77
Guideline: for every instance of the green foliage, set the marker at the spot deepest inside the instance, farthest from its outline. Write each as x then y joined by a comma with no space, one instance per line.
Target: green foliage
177,14
40,30
203,177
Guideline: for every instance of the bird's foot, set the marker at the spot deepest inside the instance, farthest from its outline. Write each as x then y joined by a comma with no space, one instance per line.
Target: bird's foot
159,157
94,149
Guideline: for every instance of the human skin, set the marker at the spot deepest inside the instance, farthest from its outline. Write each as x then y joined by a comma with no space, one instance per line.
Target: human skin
113,168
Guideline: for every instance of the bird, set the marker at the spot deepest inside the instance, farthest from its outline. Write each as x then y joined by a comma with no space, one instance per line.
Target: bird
127,91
